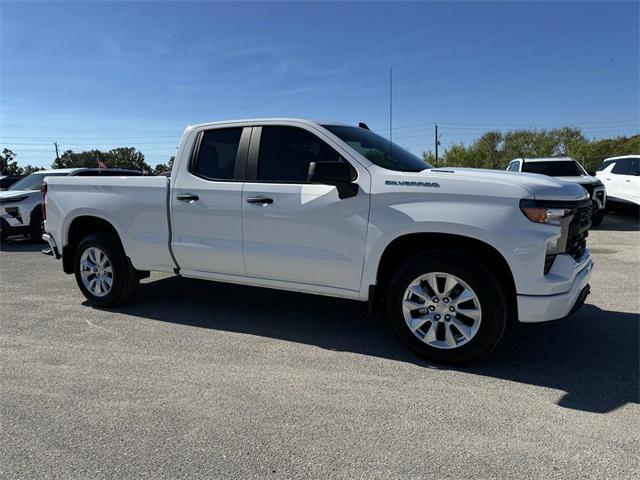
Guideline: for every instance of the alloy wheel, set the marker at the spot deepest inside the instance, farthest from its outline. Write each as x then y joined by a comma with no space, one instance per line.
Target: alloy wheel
441,310
96,271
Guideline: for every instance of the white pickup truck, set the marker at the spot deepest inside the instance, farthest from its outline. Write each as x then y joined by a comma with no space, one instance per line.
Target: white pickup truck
456,255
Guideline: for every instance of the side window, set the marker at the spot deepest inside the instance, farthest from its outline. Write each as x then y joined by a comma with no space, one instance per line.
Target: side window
286,152
635,167
622,167
604,165
216,157
86,173
514,166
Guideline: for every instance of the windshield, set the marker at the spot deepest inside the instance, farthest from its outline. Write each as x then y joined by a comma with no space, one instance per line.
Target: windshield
563,168
378,149
33,181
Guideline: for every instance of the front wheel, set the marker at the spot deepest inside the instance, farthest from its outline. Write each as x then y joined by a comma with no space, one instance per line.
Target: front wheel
447,307
596,218
102,271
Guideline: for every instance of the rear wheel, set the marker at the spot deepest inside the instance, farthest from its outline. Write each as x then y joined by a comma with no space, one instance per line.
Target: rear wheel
103,272
447,307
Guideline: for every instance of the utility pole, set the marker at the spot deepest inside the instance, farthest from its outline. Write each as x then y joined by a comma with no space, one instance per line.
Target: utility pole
437,142
57,156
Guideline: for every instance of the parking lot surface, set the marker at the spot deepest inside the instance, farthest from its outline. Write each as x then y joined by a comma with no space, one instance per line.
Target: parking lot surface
204,380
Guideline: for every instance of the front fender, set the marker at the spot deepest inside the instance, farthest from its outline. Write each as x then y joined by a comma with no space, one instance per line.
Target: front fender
496,222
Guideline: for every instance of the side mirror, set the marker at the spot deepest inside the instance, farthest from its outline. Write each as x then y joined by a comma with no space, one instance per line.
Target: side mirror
334,173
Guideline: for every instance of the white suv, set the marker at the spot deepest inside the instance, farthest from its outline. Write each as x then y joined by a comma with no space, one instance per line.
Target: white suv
566,168
621,175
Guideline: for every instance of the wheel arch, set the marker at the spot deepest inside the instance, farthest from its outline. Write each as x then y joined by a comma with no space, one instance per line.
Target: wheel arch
410,244
79,228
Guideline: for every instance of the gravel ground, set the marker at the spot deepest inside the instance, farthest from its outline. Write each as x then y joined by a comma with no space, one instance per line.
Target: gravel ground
205,380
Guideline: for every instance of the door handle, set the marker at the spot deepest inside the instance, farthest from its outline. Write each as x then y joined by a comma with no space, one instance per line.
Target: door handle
187,197
260,200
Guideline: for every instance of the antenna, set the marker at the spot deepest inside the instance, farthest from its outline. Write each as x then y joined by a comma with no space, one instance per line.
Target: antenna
390,112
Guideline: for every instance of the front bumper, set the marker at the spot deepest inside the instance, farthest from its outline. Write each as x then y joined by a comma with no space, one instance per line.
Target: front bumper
543,308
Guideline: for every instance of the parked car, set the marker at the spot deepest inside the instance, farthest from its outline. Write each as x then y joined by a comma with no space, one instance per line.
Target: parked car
20,205
570,170
458,255
7,180
621,175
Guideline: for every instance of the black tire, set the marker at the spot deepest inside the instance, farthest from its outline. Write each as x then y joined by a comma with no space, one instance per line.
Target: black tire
36,226
124,280
490,292
596,218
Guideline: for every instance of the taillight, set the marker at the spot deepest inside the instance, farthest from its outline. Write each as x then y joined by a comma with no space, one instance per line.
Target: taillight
43,190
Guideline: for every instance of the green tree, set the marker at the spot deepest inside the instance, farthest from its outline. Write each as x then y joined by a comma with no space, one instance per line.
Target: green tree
126,157
161,167
122,157
8,165
71,159
496,149
30,169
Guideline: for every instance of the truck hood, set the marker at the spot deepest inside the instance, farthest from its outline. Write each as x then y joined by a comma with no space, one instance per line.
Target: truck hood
582,180
9,194
476,181
540,186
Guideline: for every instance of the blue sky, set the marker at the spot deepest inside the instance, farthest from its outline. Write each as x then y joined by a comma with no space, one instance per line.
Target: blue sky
135,74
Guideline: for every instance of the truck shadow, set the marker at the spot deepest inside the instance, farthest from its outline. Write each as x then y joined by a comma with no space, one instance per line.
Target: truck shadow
621,218
592,356
21,244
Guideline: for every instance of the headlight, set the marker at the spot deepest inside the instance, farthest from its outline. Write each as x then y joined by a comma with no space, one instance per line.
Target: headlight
548,215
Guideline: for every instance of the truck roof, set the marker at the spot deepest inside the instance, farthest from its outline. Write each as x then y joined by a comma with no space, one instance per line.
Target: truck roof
546,159
621,157
267,119
83,169
59,170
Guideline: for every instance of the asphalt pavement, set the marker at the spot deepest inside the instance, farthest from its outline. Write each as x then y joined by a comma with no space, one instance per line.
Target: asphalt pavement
205,380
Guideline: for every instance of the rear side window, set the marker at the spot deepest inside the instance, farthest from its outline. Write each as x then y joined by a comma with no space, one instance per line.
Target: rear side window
286,152
622,166
216,158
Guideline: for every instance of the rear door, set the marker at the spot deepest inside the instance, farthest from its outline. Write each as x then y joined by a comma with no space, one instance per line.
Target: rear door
629,180
623,182
206,203
296,231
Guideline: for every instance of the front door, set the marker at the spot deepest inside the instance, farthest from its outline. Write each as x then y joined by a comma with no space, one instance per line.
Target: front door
295,231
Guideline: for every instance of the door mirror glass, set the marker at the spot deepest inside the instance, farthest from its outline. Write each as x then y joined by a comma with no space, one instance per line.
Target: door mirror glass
334,173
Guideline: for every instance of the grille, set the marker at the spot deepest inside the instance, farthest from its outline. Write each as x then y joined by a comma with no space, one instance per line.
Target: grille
578,233
589,188
576,245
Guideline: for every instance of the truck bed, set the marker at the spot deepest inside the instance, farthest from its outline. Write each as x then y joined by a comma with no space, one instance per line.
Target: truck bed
135,206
